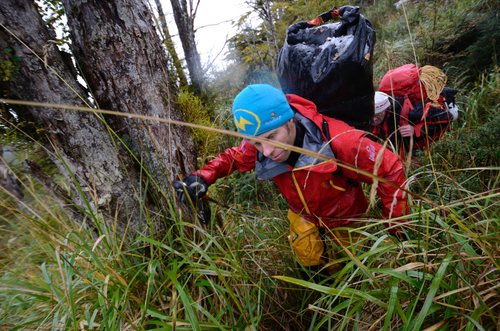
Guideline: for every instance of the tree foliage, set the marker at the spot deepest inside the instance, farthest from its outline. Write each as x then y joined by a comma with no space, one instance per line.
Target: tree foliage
262,33
452,34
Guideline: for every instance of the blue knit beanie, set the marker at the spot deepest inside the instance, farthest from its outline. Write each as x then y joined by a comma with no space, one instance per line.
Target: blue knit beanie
260,108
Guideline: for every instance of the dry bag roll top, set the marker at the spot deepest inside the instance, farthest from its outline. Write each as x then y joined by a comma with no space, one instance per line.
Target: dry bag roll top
331,65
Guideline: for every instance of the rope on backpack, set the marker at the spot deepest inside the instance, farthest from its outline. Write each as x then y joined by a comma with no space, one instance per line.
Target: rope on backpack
434,81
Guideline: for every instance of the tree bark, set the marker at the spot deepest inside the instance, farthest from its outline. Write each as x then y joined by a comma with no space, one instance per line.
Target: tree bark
117,46
59,194
77,142
184,22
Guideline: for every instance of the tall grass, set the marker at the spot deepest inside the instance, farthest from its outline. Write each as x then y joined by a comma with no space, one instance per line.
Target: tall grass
239,273
57,275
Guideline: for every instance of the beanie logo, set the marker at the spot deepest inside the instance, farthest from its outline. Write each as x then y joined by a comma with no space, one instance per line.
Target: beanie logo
272,120
246,120
272,115
241,124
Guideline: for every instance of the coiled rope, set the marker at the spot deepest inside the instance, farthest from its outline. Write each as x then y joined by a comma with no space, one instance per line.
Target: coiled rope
434,81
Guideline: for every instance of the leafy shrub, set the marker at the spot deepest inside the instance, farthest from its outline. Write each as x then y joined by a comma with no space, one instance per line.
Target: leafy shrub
453,35
483,100
478,147
476,48
475,142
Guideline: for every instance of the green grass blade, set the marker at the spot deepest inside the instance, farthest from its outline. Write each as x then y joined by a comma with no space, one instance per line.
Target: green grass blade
436,283
393,283
185,298
346,292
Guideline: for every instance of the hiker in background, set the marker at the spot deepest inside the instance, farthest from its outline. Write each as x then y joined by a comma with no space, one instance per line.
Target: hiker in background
413,108
425,124
321,195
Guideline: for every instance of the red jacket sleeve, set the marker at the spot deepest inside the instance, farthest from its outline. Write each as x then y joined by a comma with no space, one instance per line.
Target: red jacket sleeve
351,147
241,158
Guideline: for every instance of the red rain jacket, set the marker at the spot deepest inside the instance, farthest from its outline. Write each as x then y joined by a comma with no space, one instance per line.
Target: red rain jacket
322,193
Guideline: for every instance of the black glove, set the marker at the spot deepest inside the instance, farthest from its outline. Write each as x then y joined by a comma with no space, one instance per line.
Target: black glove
325,17
449,95
195,186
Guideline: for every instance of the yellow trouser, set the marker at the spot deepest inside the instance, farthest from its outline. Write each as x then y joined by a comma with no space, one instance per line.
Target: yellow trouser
308,245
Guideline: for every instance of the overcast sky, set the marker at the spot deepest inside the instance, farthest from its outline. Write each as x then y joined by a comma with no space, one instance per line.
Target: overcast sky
212,24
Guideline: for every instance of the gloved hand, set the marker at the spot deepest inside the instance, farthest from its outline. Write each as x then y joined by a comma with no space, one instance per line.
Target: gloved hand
194,185
453,109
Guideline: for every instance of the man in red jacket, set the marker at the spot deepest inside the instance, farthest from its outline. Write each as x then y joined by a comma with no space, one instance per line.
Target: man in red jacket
321,195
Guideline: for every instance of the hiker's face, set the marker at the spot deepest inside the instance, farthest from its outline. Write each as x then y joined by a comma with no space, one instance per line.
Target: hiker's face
379,118
284,134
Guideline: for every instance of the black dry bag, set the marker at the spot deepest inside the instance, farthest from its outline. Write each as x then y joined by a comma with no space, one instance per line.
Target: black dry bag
332,66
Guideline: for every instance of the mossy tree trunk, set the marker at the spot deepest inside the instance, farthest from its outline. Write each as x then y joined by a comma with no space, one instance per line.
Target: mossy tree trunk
184,19
169,44
118,51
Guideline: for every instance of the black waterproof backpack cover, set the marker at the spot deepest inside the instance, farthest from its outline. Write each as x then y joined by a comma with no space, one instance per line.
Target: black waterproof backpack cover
332,66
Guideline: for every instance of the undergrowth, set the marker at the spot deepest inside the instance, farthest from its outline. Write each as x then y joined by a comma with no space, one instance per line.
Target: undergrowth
240,273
